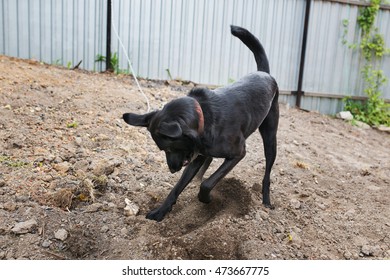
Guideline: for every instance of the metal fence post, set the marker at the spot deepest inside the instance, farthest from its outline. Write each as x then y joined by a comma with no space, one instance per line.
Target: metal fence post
299,91
108,37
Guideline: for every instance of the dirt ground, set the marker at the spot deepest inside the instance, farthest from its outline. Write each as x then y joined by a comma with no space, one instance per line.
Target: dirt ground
69,166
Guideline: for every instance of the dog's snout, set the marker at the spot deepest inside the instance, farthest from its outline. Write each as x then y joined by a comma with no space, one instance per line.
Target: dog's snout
174,169
174,161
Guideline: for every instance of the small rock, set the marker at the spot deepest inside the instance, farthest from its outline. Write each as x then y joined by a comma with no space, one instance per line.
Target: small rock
46,244
347,255
124,231
111,205
2,183
131,209
81,165
93,207
78,141
25,227
3,229
384,128
345,115
47,178
102,137
295,203
112,197
324,257
104,167
263,214
61,234
321,206
9,206
366,250
62,167
50,158
22,198
362,125
350,214
104,229
8,107
39,160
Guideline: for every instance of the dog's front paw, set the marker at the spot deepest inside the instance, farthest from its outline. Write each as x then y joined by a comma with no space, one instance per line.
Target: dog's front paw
157,214
204,197
269,206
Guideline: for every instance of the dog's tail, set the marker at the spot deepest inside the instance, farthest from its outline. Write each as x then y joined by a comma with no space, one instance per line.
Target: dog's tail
254,45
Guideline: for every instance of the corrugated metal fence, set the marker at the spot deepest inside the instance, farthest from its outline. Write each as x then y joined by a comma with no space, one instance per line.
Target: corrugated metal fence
191,40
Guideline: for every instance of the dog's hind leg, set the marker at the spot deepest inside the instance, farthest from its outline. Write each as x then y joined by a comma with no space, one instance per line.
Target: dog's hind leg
268,130
222,171
202,171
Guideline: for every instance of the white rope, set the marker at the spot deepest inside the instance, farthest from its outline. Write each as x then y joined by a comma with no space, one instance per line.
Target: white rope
127,57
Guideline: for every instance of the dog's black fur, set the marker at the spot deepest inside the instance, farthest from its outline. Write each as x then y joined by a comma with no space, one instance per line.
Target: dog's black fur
215,123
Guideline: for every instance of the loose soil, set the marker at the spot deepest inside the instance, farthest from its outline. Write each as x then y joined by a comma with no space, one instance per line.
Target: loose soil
68,162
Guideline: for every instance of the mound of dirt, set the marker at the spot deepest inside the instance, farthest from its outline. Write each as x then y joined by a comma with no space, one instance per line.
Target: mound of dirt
68,162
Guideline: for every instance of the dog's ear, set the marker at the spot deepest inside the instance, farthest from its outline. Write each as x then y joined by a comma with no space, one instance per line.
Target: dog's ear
171,129
138,120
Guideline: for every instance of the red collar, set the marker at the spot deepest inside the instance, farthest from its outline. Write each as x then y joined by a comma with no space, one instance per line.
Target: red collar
199,111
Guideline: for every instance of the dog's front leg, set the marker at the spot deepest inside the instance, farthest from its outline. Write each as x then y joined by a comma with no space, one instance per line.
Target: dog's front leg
203,169
159,213
222,171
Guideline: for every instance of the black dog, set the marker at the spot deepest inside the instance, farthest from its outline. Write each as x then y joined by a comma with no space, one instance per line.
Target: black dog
215,123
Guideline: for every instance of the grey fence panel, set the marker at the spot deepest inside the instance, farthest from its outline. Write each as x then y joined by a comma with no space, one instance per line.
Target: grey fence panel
329,64
59,32
191,39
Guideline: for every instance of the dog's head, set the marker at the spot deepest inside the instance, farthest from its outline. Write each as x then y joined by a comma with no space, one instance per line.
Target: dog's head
175,129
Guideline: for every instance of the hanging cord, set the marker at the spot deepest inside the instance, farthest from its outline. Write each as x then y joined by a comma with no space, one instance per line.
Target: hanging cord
127,57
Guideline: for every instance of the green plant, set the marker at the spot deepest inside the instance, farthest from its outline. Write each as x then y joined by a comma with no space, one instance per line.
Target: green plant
73,124
344,41
6,160
169,74
373,46
367,16
114,61
374,110
345,23
100,58
57,62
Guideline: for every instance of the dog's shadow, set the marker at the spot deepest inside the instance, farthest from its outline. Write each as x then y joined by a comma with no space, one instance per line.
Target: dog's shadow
230,199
